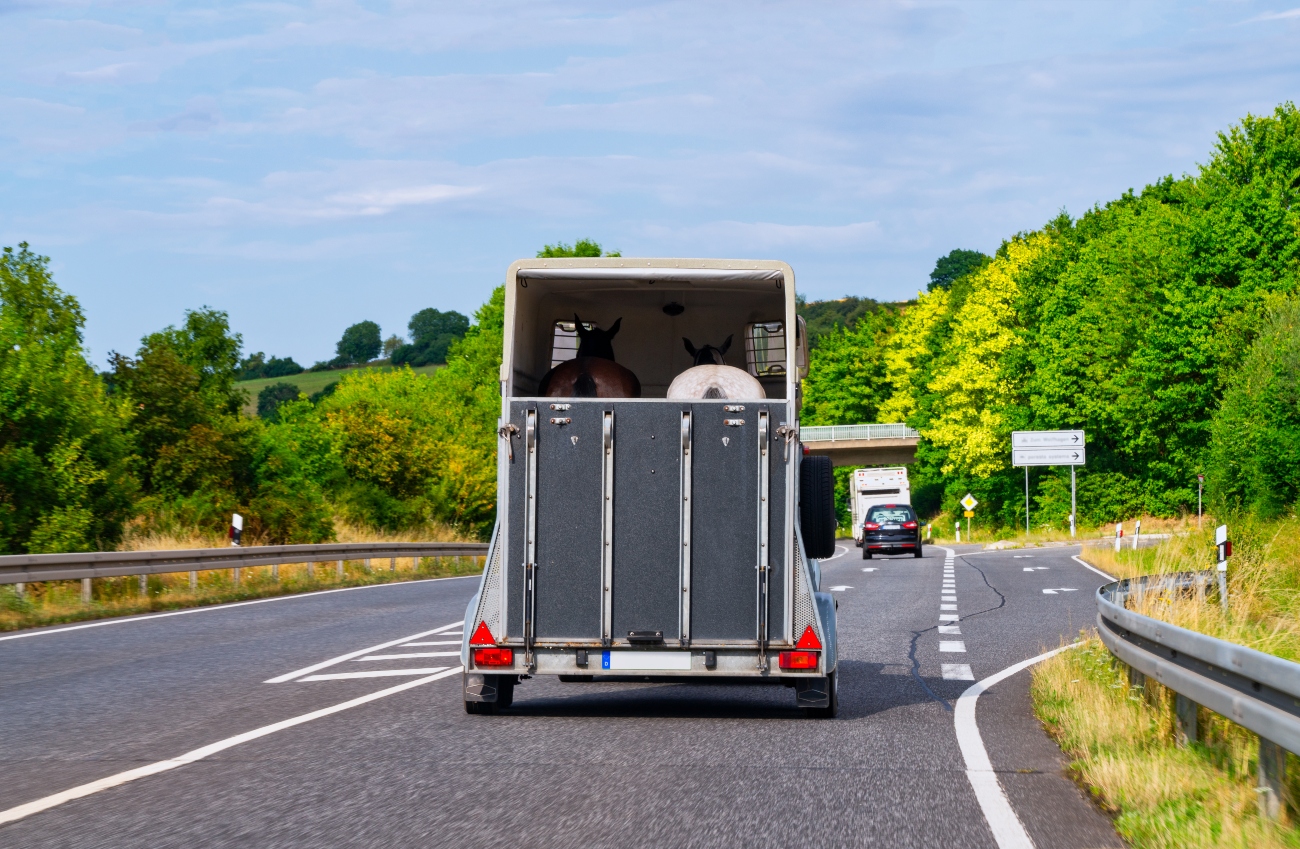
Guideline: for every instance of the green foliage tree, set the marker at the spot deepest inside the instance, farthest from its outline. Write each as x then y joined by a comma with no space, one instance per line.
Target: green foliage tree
361,343
956,264
65,482
580,248
822,317
432,334
271,397
256,366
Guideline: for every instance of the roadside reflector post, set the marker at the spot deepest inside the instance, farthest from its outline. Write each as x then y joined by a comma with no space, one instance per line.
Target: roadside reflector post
1224,547
959,530
1119,534
236,528
1271,771
1137,532
85,591
1185,719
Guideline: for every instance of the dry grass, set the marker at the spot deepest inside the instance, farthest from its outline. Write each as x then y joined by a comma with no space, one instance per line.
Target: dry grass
56,602
1121,743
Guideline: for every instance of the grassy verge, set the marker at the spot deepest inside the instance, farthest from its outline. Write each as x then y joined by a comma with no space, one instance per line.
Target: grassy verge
1121,746
57,602
1121,740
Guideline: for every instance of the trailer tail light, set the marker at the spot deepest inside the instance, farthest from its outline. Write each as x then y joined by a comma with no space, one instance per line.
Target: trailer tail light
870,526
909,525
494,657
808,640
482,636
798,660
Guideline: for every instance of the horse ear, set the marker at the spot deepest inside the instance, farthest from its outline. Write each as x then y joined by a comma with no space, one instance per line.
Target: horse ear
577,325
690,349
725,345
613,328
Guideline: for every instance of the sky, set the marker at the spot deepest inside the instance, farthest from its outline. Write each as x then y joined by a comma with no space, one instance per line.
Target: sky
305,166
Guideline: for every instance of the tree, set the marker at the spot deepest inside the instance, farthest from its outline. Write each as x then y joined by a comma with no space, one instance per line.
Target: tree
580,248
361,343
205,344
391,344
271,397
65,481
955,265
432,334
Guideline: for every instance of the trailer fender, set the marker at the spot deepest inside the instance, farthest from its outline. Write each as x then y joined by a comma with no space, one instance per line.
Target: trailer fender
826,612
468,629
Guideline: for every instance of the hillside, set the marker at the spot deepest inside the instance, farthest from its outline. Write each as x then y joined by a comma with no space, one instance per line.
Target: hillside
311,382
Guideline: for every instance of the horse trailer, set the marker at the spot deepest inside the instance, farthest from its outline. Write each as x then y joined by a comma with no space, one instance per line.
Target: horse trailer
657,516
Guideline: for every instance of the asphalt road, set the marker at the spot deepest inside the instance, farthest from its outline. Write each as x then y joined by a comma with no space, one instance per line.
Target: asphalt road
590,765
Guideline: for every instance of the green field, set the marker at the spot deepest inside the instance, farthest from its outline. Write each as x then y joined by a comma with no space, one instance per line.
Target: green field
309,382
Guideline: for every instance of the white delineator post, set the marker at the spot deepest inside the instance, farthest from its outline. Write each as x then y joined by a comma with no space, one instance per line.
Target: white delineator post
236,532
1224,547
959,530
1119,534
1137,532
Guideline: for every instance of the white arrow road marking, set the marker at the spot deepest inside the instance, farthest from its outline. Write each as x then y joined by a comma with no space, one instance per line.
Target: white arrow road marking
957,672
1060,590
1036,568
44,804
1008,833
1021,556
840,589
869,569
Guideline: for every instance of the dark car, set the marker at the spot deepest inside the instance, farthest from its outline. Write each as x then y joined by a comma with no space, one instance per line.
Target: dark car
891,529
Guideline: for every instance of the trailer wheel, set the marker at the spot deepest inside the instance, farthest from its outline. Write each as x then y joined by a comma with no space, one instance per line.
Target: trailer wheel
817,506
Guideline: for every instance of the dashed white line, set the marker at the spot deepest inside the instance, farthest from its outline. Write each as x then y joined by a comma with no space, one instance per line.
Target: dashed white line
947,607
949,629
373,673
956,646
406,655
44,804
869,569
948,617
957,672
947,598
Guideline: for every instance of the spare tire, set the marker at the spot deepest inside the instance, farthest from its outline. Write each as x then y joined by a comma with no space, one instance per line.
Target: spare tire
817,506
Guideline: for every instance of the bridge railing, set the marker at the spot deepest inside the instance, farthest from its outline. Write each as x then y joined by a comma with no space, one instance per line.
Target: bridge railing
844,433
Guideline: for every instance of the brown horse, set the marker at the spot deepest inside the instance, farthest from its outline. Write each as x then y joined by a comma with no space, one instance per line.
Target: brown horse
593,372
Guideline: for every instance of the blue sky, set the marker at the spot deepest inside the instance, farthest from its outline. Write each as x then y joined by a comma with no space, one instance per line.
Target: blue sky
306,166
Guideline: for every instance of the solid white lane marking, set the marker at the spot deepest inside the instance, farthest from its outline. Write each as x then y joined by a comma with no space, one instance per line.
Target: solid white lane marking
841,588
406,655
957,672
1078,560
949,629
307,670
373,673
126,620
947,607
952,646
433,643
1060,590
948,617
1008,832
44,804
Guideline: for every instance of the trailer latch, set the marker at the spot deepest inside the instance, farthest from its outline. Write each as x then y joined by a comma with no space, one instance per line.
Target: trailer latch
734,422
645,636
561,421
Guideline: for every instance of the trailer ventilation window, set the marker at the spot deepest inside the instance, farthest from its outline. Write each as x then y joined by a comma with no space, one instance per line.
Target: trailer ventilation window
564,344
765,348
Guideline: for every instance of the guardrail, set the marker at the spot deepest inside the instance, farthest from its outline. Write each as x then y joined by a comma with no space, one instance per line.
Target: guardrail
844,433
22,569
1258,691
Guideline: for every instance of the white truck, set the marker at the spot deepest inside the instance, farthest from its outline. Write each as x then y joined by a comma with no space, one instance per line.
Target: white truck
876,486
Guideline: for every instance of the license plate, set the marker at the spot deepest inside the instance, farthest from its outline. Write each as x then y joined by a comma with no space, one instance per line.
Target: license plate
646,661
890,527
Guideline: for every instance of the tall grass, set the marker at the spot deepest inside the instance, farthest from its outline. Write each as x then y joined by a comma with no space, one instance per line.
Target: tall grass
55,602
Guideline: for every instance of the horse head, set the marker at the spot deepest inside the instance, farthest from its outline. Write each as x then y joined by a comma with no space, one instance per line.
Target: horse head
596,342
708,355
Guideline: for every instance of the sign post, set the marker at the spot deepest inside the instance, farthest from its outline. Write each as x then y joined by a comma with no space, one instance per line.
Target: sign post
1224,548
1049,448
969,503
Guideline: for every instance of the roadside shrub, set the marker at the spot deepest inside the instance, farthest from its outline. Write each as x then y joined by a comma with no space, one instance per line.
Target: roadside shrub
271,397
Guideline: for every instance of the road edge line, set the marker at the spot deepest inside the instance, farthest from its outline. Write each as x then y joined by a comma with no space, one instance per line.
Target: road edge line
1085,564
1008,831
44,804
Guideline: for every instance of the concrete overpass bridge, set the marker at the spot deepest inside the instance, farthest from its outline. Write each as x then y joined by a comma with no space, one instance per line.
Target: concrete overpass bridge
863,444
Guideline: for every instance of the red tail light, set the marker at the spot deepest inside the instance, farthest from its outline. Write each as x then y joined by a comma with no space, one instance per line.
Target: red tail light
808,640
870,526
909,524
798,660
494,657
482,636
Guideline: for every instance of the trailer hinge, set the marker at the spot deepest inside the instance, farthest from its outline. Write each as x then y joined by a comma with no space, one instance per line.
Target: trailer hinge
789,432
507,432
